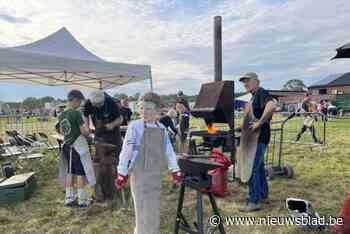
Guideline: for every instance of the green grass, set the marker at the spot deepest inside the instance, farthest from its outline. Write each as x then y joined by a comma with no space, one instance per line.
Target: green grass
322,176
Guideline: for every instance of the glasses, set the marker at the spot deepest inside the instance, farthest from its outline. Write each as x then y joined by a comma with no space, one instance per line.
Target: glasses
147,105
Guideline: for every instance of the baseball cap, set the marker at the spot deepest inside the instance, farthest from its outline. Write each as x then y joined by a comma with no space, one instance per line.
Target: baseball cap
97,97
249,75
75,94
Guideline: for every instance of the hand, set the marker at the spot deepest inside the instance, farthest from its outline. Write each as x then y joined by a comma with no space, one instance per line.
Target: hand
177,177
184,155
121,181
254,125
109,126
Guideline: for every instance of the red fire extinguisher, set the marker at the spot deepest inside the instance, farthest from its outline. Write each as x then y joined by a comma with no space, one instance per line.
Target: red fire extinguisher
219,175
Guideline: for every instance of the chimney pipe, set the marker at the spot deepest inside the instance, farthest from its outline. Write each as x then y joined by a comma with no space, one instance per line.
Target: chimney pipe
217,49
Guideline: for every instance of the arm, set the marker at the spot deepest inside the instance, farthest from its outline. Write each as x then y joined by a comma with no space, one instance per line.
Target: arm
127,151
115,113
171,126
86,121
268,112
84,130
86,114
115,123
170,154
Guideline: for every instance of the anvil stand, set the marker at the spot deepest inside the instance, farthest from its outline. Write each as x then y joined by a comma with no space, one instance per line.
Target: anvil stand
200,184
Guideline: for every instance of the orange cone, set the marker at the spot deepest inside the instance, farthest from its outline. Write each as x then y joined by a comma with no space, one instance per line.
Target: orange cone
345,214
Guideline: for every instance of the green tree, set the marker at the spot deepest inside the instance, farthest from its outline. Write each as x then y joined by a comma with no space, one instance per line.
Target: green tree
294,85
47,99
31,103
120,96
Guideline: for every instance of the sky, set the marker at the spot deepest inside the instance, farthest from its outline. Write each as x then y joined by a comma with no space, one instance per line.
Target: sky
278,39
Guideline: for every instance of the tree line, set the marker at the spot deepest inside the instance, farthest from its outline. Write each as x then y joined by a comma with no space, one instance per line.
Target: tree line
32,103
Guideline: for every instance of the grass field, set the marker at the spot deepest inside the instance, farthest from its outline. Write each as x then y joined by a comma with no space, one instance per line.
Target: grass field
322,176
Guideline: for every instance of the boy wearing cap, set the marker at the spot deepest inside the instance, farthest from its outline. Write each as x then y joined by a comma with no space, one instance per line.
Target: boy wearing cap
260,110
75,160
145,145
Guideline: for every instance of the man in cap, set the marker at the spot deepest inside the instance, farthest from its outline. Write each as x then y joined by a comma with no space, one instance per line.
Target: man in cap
261,108
106,118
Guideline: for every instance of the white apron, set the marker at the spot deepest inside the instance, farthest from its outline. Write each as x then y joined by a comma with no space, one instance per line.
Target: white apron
248,146
145,181
82,147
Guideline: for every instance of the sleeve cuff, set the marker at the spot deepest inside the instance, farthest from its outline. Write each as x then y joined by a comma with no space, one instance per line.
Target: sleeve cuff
175,169
122,171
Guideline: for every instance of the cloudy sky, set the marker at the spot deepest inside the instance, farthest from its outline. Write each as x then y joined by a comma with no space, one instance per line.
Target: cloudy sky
278,39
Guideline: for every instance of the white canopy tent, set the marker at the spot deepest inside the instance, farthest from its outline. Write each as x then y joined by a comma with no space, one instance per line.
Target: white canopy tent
60,60
244,98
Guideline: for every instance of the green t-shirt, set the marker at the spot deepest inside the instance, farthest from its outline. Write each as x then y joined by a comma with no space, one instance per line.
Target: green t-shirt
70,122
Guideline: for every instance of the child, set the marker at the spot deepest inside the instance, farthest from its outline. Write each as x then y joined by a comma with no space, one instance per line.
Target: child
75,160
146,144
183,109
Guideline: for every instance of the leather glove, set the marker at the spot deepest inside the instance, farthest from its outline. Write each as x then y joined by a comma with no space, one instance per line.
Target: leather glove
121,181
177,177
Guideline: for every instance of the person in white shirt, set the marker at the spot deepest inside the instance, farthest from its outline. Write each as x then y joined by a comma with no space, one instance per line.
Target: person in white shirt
145,145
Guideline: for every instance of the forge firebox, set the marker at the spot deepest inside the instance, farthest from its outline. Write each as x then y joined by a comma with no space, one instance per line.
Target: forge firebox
214,104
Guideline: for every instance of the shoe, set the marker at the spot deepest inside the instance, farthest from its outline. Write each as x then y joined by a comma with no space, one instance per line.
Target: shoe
83,206
71,204
250,207
264,200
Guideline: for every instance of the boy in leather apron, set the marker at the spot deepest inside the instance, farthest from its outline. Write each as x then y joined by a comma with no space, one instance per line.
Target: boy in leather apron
75,160
146,144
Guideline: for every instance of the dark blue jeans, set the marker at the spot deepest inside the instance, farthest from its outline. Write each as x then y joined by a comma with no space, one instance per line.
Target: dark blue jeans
258,188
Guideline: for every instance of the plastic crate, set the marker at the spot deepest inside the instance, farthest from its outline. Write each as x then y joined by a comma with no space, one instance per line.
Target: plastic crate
17,188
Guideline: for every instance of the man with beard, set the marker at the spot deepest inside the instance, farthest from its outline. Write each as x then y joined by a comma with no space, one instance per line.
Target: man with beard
105,115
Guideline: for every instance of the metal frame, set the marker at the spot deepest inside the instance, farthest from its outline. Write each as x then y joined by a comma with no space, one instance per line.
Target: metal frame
82,79
279,169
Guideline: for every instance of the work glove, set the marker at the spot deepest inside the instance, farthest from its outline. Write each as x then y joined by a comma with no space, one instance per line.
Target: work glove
177,177
121,181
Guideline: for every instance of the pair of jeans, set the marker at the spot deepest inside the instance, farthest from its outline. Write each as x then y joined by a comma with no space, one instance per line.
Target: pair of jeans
258,187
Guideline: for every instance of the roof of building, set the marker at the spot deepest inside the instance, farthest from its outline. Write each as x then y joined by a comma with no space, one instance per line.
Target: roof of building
333,80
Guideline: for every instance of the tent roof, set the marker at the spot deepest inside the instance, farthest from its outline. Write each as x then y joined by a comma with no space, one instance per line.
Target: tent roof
333,80
59,59
59,44
244,98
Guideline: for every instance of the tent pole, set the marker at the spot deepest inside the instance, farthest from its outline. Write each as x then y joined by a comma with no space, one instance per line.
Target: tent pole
150,75
100,85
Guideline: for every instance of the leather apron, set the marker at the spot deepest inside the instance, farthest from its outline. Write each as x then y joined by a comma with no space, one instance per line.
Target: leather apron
248,146
106,160
145,181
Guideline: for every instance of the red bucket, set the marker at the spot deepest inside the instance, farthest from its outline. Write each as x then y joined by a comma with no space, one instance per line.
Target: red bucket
219,175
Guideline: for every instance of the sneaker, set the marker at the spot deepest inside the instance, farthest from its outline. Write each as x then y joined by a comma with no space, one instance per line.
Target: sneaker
83,206
264,200
71,204
249,207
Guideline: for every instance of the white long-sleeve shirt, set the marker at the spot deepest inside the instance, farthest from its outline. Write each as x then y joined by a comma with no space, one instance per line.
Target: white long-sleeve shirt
132,143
